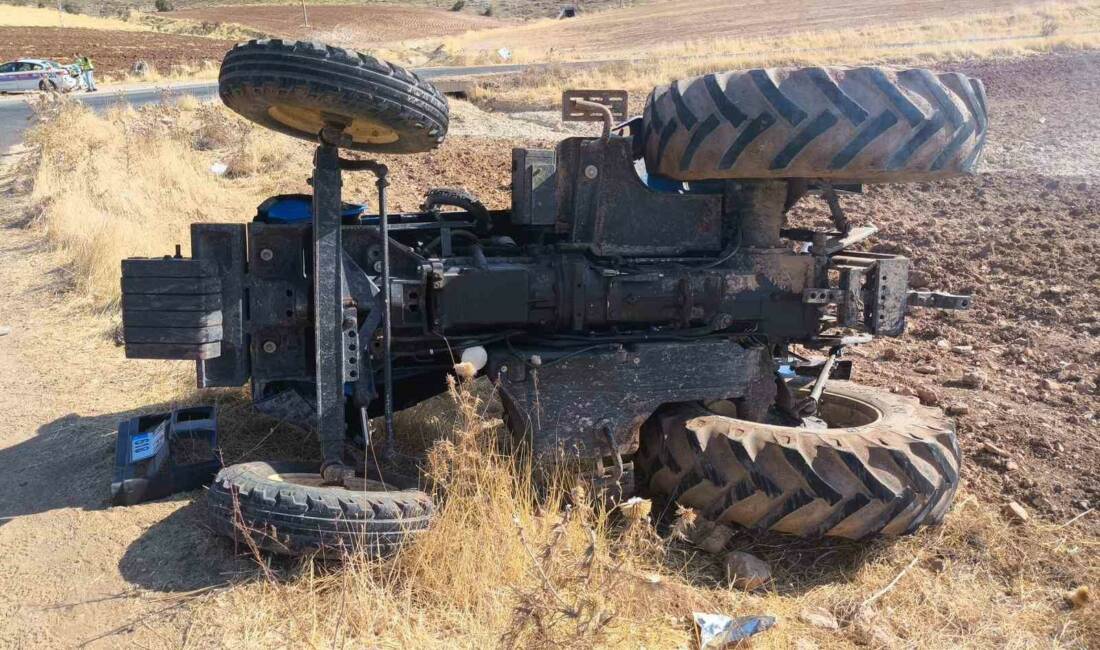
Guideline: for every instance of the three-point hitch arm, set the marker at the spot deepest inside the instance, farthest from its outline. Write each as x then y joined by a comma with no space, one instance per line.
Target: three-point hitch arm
339,353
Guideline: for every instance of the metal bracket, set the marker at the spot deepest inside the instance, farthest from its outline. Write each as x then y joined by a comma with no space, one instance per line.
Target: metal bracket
823,296
351,349
585,105
937,300
835,242
884,313
851,238
850,312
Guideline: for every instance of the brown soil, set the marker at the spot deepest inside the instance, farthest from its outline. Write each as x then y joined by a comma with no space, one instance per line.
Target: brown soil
535,9
361,25
673,21
114,52
1024,238
519,9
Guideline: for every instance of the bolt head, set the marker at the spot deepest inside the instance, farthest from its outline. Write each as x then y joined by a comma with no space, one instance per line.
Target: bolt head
270,347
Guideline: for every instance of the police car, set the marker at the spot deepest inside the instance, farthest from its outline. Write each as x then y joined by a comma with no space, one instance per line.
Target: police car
36,74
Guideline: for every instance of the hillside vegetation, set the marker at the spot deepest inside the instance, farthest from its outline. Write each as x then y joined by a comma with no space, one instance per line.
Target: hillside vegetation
1057,27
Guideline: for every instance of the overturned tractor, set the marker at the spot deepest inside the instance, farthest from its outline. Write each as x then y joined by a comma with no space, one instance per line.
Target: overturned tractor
642,307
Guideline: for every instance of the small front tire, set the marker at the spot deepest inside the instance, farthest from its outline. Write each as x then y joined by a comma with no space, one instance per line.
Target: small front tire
298,88
284,508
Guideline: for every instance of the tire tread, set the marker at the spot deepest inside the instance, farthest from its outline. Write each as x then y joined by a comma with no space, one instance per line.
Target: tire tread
889,477
293,519
862,125
263,72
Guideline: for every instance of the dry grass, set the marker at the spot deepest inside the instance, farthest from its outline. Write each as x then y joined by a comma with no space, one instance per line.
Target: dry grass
19,16
23,16
183,26
125,186
1049,28
206,70
703,28
509,563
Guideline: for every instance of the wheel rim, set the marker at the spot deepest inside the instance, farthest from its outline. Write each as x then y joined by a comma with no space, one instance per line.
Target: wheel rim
311,120
839,412
844,412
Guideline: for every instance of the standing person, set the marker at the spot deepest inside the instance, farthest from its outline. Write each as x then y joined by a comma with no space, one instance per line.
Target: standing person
87,68
77,71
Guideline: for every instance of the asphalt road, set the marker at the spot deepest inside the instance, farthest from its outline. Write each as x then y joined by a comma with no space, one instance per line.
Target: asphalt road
15,114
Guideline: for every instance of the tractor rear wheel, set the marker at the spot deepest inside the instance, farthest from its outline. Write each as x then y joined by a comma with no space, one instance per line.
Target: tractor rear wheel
298,88
284,508
885,465
855,125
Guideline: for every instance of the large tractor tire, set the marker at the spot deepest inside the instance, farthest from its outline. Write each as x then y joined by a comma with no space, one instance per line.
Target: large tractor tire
858,125
282,507
298,88
886,465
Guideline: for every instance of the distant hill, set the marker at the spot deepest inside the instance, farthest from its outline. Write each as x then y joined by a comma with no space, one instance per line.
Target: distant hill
517,9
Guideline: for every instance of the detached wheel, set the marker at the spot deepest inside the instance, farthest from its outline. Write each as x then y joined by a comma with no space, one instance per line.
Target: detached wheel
285,509
858,125
885,465
297,88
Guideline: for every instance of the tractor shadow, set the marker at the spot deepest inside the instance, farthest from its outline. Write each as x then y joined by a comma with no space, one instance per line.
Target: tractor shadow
67,464
70,462
180,554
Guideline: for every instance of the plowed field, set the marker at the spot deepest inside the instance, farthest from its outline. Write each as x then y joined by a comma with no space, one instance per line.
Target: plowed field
662,23
114,52
344,24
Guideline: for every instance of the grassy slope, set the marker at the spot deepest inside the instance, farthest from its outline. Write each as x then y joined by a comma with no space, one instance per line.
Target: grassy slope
1034,29
519,9
19,16
128,21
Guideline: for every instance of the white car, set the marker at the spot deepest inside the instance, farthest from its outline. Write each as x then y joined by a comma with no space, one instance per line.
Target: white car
36,74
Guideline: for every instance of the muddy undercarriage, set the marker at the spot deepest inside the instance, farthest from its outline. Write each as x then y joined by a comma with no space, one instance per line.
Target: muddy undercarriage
628,320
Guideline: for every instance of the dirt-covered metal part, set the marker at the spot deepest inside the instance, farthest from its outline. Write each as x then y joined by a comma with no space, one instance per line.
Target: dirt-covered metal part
613,388
600,269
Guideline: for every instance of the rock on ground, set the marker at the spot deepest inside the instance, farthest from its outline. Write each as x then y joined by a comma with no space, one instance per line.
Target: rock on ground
819,617
746,571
